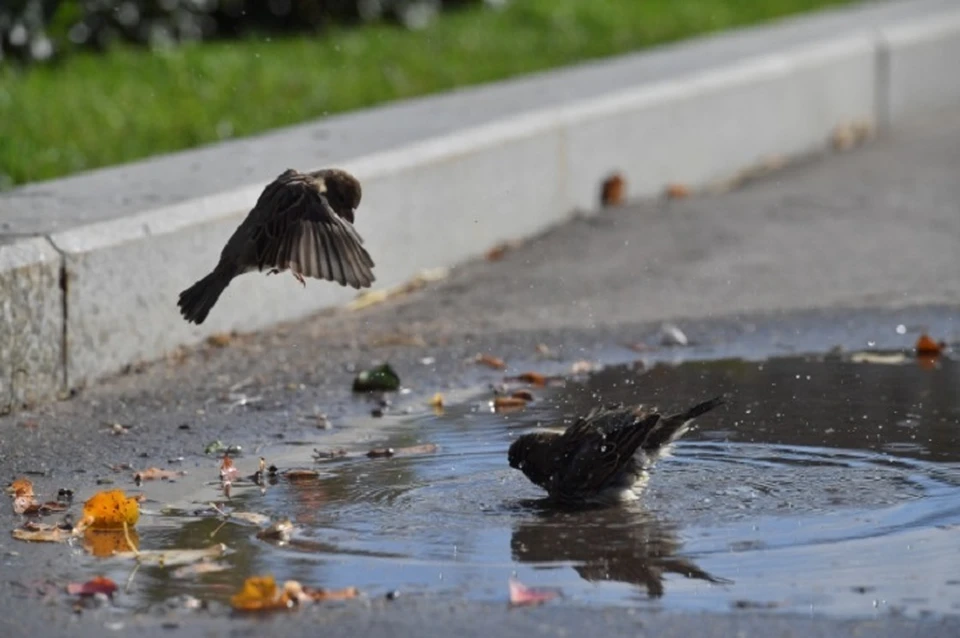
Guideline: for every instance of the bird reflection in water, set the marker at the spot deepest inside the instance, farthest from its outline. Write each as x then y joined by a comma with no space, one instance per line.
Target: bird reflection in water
619,544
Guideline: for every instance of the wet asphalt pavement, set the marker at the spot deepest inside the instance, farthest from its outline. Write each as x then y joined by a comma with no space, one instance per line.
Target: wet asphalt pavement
834,252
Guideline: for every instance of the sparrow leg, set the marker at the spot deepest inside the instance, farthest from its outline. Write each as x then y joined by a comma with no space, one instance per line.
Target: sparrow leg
299,278
273,271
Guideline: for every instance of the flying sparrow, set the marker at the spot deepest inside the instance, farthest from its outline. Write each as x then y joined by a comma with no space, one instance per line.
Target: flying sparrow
302,222
604,457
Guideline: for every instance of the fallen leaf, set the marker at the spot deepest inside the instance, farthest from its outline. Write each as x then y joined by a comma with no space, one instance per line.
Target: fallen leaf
96,585
24,504
613,191
508,404
533,378
260,593
927,346
20,487
520,594
110,510
170,557
491,361
319,594
382,378
526,395
157,474
198,569
436,401
42,532
677,191
220,339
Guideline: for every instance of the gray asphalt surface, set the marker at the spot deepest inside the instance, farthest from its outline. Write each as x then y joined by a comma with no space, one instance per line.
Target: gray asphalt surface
831,252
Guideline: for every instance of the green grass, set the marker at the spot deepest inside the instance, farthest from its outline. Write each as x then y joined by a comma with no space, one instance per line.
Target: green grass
95,110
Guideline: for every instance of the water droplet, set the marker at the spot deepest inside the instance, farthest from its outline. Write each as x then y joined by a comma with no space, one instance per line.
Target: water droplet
901,329
871,343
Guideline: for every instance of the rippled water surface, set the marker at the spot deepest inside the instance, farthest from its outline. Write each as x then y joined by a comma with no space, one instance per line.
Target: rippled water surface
824,485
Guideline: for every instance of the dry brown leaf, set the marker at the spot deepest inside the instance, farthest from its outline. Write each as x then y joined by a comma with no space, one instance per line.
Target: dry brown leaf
927,346
677,191
520,594
533,378
613,191
220,339
526,395
319,594
42,532
491,361
96,585
157,474
110,510
508,404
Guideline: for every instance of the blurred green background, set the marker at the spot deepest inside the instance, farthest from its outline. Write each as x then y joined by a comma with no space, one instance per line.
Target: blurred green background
90,83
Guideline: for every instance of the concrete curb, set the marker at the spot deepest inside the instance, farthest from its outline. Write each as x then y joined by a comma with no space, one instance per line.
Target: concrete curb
90,295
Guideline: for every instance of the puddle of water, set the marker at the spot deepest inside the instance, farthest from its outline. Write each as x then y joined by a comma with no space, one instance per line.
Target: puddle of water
824,485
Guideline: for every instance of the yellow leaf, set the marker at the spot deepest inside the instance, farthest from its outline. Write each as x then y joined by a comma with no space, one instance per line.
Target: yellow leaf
110,510
260,593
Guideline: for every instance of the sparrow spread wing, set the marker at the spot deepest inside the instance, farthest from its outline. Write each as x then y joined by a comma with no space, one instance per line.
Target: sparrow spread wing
597,448
296,228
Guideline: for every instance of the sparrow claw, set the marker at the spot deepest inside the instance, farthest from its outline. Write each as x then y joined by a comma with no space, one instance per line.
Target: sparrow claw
273,271
300,278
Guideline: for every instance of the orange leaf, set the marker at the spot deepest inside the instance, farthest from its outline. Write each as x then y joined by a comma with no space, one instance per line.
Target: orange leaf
20,487
96,585
228,472
110,510
260,593
927,346
491,361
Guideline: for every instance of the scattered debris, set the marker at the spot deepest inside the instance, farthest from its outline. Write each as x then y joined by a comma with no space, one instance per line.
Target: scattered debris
326,455
228,471
533,378
545,352
379,379
260,593
206,566
380,452
96,585
279,531
34,532
436,401
397,339
672,335
521,595
613,191
157,474
848,135
296,475
491,361
171,557
373,297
